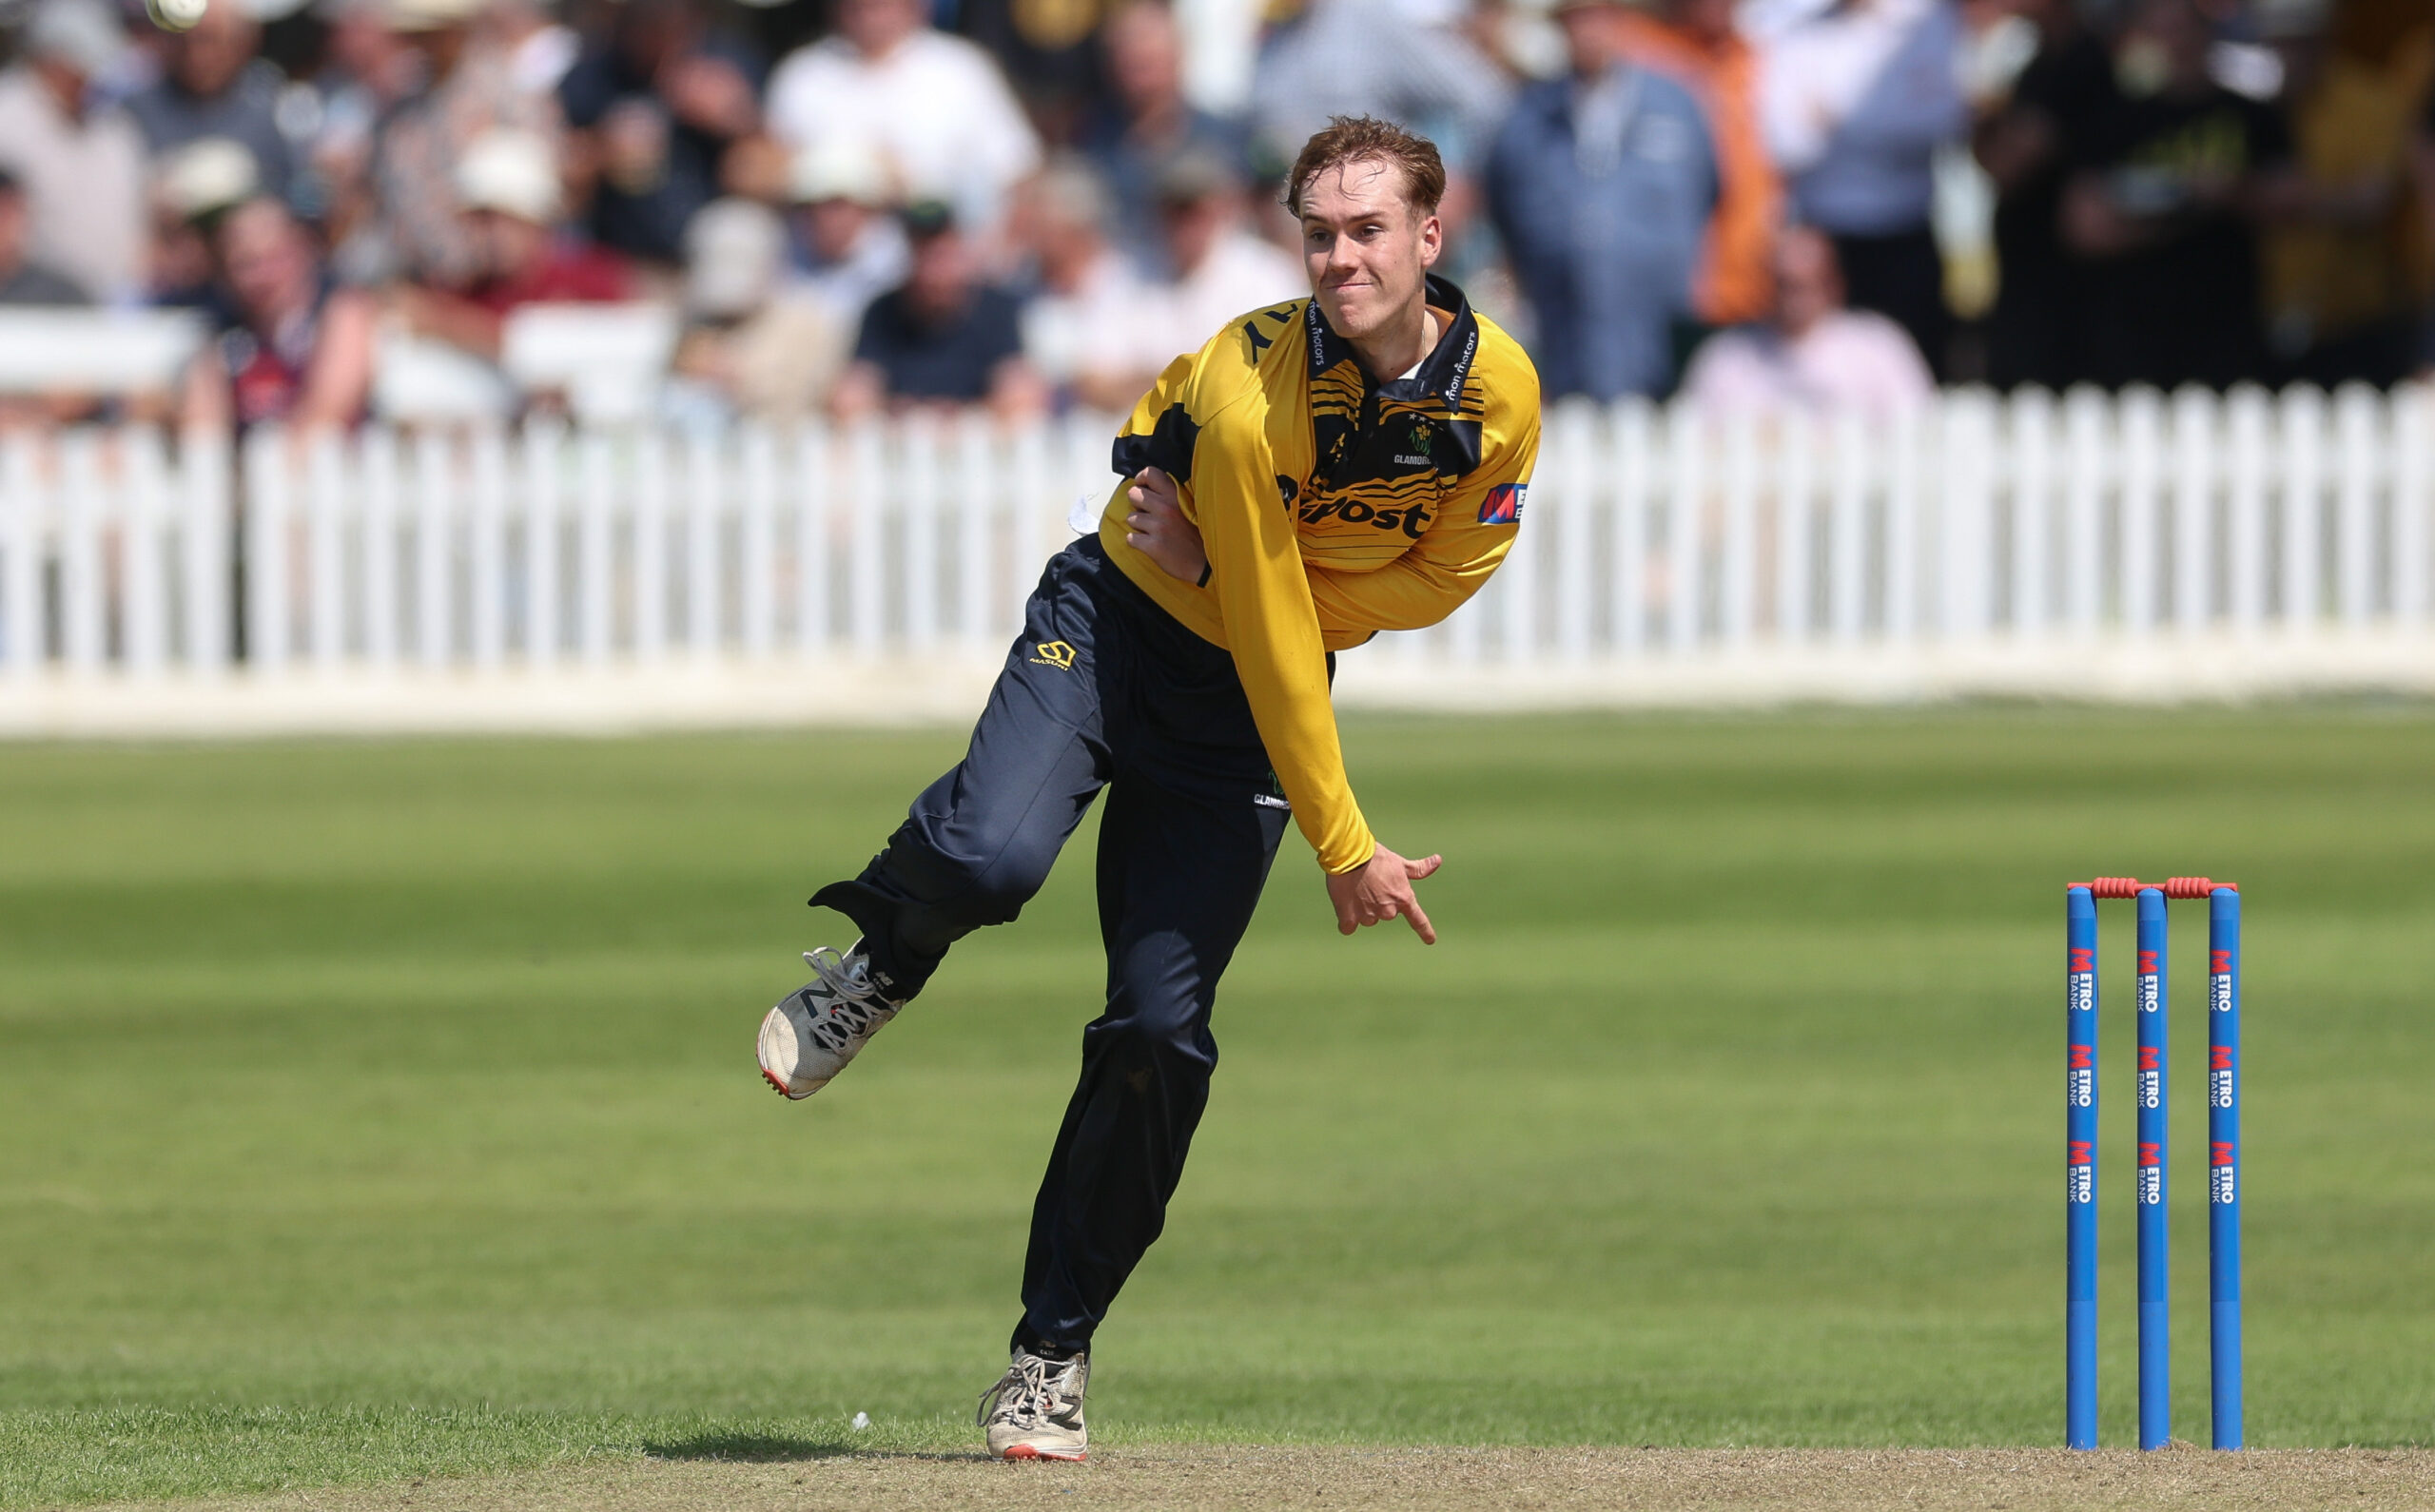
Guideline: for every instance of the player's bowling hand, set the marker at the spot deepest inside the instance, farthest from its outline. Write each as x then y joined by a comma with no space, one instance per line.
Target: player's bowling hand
1380,891
1156,527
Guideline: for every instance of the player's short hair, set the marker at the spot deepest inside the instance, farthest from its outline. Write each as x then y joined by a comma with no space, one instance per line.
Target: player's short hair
1366,139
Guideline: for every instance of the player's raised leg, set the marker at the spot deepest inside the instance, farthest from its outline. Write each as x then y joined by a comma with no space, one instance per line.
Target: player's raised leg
977,844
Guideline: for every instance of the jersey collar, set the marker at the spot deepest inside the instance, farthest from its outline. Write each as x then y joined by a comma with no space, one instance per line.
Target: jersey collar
1442,374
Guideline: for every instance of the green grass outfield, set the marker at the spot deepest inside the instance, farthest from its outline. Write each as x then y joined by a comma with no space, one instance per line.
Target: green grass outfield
375,1110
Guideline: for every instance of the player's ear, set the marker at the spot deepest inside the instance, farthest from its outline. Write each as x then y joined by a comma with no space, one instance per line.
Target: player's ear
1432,239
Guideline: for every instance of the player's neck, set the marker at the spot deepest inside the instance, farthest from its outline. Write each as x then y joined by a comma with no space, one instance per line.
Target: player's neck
1398,346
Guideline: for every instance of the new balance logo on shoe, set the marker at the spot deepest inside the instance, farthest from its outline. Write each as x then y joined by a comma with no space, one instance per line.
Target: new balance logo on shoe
806,1039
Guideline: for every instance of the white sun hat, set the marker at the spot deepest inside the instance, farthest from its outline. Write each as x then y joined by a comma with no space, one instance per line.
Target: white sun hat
513,172
207,175
735,251
840,168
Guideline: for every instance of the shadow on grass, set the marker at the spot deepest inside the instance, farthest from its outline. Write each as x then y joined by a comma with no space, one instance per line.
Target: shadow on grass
745,1448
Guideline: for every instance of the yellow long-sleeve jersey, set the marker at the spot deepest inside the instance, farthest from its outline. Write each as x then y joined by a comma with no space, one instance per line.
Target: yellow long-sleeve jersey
1332,506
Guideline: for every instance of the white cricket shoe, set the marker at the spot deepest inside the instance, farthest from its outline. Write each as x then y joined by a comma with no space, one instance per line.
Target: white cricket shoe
1035,1412
806,1039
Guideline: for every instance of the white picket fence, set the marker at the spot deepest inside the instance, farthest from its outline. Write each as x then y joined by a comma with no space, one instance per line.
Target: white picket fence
2145,546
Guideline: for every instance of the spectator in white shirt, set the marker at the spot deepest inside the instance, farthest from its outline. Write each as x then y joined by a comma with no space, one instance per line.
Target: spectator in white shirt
935,107
24,282
1217,268
539,48
81,162
1083,326
1815,356
1855,104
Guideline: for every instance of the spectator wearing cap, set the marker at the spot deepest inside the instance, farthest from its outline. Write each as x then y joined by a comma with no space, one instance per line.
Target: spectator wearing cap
1856,100
944,338
295,348
655,112
1813,355
24,280
192,188
508,184
755,343
80,162
1144,121
1601,185
1697,44
1217,267
215,84
848,250
470,89
1084,328
934,107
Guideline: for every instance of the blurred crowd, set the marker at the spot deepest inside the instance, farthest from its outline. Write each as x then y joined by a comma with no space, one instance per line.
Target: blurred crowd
856,206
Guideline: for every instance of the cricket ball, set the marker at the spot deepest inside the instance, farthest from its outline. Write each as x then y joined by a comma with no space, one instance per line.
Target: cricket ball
174,15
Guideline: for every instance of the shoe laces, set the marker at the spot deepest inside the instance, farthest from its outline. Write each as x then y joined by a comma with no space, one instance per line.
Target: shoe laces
854,999
1027,1393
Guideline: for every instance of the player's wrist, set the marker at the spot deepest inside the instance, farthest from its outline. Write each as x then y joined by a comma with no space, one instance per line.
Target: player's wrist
1369,854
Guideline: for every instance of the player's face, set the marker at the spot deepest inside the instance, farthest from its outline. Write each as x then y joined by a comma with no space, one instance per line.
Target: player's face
1366,247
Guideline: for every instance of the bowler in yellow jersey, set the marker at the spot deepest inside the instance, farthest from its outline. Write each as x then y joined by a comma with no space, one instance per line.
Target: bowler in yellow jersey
1318,472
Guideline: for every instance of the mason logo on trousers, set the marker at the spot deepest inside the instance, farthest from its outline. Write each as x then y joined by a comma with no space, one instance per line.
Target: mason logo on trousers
1053,654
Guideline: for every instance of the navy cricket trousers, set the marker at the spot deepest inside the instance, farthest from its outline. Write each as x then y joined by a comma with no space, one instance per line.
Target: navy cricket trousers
1103,689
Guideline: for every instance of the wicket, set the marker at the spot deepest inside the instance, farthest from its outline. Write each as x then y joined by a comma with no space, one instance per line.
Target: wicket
2152,1102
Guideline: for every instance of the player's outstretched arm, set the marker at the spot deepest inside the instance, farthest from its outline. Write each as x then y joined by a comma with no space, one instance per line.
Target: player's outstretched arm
1380,891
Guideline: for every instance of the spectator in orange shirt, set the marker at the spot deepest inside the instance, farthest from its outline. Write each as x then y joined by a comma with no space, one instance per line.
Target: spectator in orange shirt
1696,44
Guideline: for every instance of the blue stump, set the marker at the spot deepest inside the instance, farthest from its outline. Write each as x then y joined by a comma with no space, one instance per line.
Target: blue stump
2224,1161
2079,1169
2156,1232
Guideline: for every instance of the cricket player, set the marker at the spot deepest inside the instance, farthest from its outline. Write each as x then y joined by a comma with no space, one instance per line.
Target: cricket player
1318,472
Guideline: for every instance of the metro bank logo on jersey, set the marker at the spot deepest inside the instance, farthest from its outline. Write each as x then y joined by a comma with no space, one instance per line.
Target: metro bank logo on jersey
1503,505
